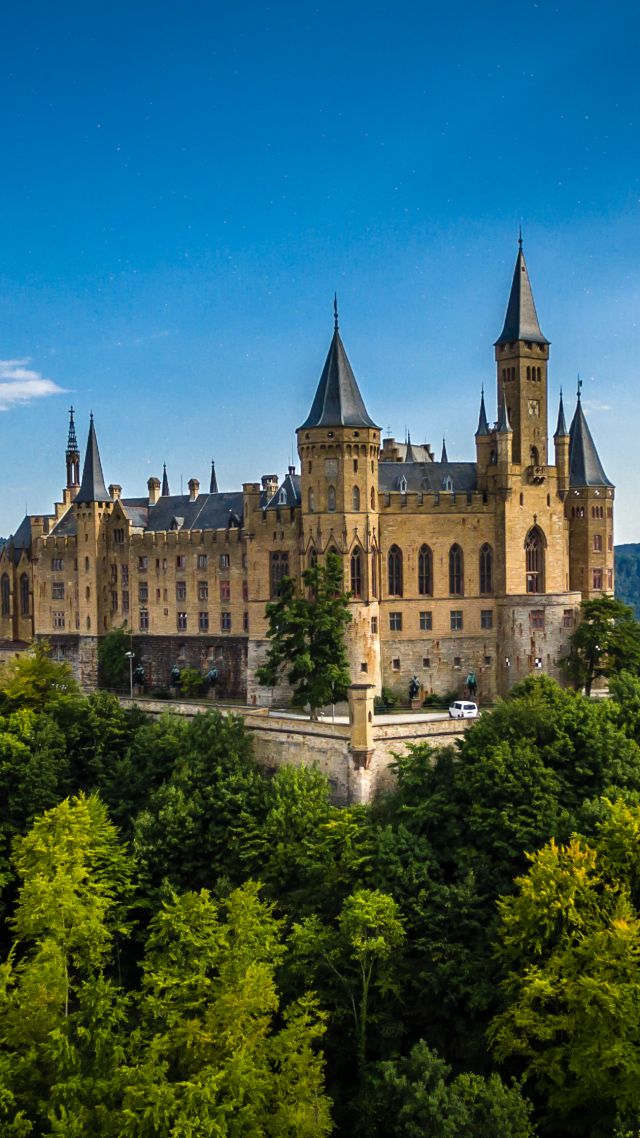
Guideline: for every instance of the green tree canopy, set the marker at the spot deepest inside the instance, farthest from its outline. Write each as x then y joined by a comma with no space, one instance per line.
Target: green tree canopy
606,641
306,631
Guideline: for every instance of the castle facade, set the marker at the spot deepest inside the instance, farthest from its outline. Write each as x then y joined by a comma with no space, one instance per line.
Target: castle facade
452,567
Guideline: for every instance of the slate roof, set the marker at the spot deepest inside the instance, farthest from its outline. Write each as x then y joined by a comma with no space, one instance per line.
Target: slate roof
483,426
561,427
521,320
425,477
338,402
20,540
585,468
290,486
175,511
92,486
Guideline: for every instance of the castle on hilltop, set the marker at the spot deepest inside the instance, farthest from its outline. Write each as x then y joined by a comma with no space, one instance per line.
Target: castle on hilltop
452,567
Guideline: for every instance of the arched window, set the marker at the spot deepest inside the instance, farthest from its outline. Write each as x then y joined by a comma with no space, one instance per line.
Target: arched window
374,573
402,484
529,373
395,571
535,456
311,500
486,569
425,571
534,556
456,571
356,573
6,595
282,497
312,558
355,498
331,499
24,594
373,498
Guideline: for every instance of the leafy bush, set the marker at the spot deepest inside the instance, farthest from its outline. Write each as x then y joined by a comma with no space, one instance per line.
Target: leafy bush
191,682
386,701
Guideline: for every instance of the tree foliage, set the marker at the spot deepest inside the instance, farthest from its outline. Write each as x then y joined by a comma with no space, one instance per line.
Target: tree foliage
306,631
113,662
606,641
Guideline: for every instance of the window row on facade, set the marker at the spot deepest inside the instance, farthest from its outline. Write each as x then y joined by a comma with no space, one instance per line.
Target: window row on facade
425,577
203,621
24,594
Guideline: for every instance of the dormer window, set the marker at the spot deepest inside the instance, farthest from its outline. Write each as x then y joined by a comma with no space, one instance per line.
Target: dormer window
282,497
447,483
403,484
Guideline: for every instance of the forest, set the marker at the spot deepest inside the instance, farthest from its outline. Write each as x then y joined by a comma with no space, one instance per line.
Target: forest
192,945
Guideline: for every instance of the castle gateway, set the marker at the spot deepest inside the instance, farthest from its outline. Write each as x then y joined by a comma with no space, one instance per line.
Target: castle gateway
453,567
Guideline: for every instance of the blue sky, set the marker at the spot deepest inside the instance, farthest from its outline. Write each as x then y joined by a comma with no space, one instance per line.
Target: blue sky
185,185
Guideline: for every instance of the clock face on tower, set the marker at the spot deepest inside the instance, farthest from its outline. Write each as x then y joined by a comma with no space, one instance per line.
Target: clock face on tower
534,408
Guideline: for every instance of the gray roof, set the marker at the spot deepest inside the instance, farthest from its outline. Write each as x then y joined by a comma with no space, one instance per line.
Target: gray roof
426,477
483,426
290,488
561,427
585,468
503,423
176,511
338,402
20,540
410,454
521,320
92,487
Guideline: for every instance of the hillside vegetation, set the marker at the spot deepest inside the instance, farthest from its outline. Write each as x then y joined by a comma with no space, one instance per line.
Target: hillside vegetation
627,566
192,946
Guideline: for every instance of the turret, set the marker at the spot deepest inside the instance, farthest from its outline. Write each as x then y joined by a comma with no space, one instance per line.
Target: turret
72,458
589,511
522,354
339,445
561,442
484,445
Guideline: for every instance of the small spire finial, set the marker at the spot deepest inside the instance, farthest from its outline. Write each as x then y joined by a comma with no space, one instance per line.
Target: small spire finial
335,311
520,237
579,387
91,416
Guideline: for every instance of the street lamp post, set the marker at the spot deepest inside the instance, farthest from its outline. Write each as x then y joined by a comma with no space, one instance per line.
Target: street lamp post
130,656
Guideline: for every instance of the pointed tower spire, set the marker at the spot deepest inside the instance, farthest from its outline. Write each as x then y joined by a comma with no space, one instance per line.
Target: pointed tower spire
561,428
585,468
165,482
337,402
503,423
213,484
92,487
521,319
72,455
443,456
410,454
483,426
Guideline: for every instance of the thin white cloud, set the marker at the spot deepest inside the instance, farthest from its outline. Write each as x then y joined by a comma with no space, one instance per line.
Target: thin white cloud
22,384
595,405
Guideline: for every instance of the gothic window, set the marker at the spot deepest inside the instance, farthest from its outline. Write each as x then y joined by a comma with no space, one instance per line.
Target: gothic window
356,573
6,595
486,569
355,498
24,594
529,373
535,457
403,484
395,571
313,558
278,568
456,578
534,556
331,499
425,572
374,574
282,497
311,498
373,498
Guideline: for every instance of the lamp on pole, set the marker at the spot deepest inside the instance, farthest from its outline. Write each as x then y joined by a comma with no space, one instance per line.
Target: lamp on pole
130,656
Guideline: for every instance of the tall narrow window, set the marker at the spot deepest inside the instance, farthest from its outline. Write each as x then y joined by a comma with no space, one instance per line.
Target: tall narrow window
312,558
534,557
24,594
5,593
331,499
278,568
425,571
312,500
374,573
356,573
395,571
486,569
355,498
456,570
373,498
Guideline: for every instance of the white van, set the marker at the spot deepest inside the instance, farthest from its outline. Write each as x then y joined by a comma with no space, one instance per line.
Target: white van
461,709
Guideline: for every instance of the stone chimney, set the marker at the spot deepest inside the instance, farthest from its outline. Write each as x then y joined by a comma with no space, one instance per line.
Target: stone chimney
153,486
194,489
269,484
115,491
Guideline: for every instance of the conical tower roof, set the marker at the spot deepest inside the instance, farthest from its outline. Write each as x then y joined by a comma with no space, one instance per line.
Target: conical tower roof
521,320
410,455
503,423
483,426
165,482
561,428
92,487
443,456
338,402
585,468
213,484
